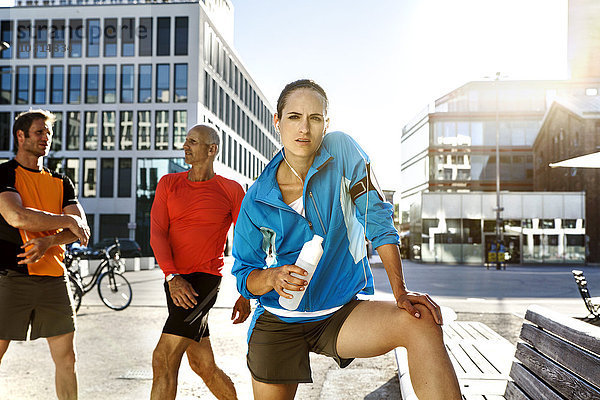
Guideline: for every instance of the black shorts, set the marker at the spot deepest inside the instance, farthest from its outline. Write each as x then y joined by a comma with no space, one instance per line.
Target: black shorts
204,284
40,302
278,352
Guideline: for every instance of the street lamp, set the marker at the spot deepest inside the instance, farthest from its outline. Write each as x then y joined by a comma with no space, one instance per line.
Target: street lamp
498,209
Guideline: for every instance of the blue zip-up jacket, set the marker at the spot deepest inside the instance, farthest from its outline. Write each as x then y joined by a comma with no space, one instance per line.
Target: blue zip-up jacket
269,233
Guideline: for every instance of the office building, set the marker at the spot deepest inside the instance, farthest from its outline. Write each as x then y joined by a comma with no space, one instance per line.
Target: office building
126,79
571,128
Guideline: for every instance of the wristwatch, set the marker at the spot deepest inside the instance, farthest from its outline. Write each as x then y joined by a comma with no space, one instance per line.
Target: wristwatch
170,277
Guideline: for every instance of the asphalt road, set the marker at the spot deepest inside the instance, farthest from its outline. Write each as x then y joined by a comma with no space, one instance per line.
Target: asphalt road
115,348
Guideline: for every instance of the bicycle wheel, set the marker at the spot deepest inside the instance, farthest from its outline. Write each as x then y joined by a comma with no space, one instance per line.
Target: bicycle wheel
76,292
114,290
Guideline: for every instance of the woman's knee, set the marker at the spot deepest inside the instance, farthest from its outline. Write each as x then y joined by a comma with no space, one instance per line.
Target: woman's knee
422,328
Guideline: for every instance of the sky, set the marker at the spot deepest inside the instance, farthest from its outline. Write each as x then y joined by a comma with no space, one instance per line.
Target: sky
383,61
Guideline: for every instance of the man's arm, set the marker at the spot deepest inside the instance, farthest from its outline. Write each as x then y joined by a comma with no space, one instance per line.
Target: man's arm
30,219
39,246
390,256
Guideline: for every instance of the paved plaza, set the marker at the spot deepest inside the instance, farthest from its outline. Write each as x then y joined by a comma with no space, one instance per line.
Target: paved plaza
115,348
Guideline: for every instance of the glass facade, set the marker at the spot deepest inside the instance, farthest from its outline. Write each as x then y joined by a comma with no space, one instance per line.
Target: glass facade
92,83
143,130
74,84
91,131
125,130
57,84
6,85
162,83
22,85
108,130
161,137
109,91
145,83
127,81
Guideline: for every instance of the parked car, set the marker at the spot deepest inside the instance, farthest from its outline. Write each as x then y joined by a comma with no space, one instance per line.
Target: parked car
129,247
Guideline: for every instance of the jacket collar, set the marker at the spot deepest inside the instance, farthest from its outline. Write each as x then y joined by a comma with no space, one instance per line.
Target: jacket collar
268,189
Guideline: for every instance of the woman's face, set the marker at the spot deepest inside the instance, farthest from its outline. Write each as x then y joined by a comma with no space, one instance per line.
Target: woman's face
303,123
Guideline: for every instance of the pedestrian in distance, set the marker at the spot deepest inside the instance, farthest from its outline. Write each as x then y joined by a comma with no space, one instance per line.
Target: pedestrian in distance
191,215
322,184
39,215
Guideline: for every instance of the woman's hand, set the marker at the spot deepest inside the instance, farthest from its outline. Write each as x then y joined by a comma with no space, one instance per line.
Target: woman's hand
407,301
182,292
281,278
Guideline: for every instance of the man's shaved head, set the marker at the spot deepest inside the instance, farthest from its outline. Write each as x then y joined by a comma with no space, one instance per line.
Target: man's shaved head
209,132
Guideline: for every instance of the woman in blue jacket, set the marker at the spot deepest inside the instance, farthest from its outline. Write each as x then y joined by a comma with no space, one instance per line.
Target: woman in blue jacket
321,184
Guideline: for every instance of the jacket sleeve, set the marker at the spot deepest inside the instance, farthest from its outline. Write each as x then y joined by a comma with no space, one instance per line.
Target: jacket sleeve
372,211
159,229
247,250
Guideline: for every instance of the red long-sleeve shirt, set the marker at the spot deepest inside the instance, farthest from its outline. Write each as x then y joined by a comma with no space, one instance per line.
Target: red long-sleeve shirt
190,221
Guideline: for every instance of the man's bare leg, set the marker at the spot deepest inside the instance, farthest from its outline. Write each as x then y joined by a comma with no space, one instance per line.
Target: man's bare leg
202,362
374,328
62,350
166,360
3,347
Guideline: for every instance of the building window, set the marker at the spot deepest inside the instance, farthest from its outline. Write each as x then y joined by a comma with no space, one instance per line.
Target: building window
74,84
73,129
39,85
127,83
145,37
90,165
179,128
6,36
107,177
5,85
75,37
162,83
181,79
124,189
127,37
22,85
181,36
145,83
23,38
163,36
108,130
110,37
41,39
92,83
206,89
143,130
161,137
4,131
72,171
91,131
93,38
57,84
59,43
110,84
58,132
125,130
214,98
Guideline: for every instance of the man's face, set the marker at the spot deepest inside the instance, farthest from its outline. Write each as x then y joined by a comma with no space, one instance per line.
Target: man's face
38,140
197,148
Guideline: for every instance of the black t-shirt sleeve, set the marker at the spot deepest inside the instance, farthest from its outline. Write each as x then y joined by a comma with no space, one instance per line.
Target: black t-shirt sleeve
7,177
69,195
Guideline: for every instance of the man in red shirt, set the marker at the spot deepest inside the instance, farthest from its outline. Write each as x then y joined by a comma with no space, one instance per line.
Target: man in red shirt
191,215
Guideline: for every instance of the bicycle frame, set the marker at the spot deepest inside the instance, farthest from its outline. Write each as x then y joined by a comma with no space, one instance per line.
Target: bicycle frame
87,285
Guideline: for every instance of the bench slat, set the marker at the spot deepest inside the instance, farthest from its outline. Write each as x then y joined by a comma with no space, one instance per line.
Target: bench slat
531,385
564,382
463,359
481,362
580,333
514,393
572,358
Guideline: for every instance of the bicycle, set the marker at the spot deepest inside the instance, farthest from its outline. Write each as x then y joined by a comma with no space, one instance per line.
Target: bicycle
113,288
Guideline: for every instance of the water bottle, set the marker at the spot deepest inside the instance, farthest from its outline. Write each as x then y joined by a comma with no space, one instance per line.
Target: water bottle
307,259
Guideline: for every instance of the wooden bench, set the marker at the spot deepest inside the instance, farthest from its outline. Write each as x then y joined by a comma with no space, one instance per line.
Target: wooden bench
559,358
591,303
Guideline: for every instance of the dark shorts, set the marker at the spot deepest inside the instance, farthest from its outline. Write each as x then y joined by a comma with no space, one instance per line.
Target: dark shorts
278,352
40,302
204,284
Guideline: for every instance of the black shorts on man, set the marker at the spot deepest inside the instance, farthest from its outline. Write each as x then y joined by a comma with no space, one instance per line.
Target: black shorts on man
204,284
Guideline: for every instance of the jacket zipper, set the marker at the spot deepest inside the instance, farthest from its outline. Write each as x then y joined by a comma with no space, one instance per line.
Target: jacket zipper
318,213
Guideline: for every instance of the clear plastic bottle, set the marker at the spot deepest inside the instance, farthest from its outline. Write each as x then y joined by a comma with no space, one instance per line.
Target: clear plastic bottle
308,259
